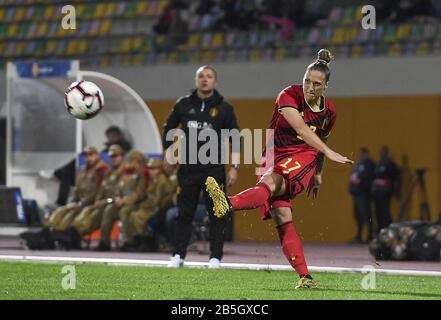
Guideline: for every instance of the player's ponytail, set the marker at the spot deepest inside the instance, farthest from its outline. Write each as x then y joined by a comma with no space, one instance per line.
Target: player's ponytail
324,57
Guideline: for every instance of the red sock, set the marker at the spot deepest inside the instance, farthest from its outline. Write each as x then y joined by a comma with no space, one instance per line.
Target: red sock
251,198
292,247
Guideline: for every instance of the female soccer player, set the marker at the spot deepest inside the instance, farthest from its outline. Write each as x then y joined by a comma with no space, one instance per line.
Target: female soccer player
302,120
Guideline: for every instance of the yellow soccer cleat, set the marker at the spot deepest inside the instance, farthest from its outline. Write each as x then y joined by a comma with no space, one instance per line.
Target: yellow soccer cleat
221,205
306,282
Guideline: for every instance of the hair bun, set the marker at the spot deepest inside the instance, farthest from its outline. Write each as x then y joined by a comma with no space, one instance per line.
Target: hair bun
324,56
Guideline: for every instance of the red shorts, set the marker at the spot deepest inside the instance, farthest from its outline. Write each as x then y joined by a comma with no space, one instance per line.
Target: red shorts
297,170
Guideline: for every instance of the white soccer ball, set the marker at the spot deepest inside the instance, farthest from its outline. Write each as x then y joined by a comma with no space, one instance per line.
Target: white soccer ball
83,99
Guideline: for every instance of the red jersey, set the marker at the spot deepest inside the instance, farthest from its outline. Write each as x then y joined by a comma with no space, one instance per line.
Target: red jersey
286,139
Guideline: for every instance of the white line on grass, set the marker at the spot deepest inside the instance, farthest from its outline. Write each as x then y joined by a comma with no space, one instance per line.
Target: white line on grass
226,265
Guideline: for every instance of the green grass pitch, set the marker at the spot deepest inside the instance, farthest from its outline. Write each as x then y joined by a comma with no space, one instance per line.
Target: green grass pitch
21,280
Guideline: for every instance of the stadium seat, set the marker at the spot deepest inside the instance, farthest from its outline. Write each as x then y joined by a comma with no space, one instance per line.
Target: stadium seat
30,47
105,27
382,48
39,12
255,55
161,6
242,55
368,50
267,38
61,47
348,15
358,16
219,56
160,58
326,35
377,34
343,51
305,52
2,14
152,8
39,49
430,30
363,36
206,40
137,43
193,24
140,8
148,44
10,49
436,47
422,48
120,8
9,14
403,32
29,14
194,41
109,10
49,13
83,27
229,39
253,38
19,14
335,15
207,56
12,31
416,32
337,38
280,54
356,51
22,30
183,57
100,10
300,36
3,31
80,9
94,27
291,52
130,10
394,50
52,29
82,46
149,58
268,54
410,48
217,40
438,33
195,57
390,35
313,36
240,40
19,48
51,45
89,10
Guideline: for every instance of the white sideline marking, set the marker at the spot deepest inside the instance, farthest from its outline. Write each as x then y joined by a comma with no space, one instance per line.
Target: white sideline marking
226,265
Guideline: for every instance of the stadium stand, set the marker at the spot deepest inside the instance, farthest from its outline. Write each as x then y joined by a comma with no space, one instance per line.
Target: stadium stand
152,32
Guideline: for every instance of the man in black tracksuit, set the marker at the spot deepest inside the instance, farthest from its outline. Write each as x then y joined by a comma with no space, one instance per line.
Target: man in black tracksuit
360,189
200,116
384,187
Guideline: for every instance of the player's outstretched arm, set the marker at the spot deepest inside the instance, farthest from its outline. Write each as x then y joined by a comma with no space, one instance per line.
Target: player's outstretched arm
293,117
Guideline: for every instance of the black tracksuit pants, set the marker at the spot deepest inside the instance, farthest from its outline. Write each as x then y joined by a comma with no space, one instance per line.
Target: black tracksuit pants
191,182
